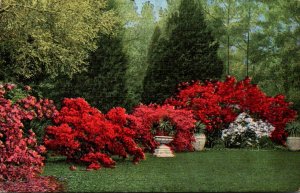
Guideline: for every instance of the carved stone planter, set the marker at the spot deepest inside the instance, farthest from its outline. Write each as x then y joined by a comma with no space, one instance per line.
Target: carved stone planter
200,142
293,143
163,150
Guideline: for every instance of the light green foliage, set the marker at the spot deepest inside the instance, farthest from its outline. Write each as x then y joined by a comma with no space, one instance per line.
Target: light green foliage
272,51
232,22
137,35
46,38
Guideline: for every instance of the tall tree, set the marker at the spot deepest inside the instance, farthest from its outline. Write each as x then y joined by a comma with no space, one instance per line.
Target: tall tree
44,39
137,37
264,34
233,23
103,84
188,52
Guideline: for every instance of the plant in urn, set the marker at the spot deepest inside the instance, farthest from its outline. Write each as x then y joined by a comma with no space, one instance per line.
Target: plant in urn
200,137
165,129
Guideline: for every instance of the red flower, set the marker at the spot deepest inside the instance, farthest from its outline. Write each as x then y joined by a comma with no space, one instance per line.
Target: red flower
82,132
218,104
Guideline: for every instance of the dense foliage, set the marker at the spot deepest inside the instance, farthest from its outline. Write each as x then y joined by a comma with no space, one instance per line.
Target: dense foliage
217,104
84,134
57,43
259,39
188,51
104,79
151,120
21,157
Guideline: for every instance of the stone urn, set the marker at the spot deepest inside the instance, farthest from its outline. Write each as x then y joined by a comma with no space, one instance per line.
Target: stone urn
163,150
293,143
199,142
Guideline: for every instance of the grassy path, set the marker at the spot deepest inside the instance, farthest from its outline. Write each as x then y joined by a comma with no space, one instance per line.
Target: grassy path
209,171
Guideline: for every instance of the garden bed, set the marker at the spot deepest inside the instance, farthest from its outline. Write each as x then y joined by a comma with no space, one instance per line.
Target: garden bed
208,171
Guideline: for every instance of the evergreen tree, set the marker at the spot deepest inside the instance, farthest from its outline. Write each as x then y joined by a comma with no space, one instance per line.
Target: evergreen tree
187,52
103,85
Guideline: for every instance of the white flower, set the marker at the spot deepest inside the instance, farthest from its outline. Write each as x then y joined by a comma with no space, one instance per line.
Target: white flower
244,123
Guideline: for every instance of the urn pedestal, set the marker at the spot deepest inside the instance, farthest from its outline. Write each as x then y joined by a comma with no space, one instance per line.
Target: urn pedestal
163,150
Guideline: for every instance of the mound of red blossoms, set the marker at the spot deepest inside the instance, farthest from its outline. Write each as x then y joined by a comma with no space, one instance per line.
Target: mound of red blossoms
147,117
84,134
217,104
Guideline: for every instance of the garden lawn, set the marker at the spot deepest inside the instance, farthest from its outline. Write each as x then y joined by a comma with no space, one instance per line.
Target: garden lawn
208,171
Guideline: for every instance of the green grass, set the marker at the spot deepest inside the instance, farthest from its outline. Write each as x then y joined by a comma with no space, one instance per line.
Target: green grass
208,171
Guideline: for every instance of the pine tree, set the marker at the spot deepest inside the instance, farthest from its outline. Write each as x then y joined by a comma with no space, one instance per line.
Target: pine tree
103,85
186,52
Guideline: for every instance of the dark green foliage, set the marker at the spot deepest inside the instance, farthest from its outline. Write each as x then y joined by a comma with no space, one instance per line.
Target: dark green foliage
293,129
103,85
266,143
188,52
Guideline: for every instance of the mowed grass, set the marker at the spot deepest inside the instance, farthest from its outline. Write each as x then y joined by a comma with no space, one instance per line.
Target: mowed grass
208,171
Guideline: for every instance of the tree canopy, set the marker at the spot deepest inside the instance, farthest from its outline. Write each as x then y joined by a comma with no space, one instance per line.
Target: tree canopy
46,38
187,52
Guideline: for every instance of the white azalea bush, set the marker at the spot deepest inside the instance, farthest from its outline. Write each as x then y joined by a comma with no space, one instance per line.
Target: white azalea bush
246,132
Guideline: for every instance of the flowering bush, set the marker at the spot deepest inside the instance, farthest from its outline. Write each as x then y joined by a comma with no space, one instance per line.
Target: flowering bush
20,154
245,131
217,104
150,119
40,184
83,133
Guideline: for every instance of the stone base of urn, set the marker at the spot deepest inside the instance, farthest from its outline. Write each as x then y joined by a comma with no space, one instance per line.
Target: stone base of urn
199,142
293,143
163,151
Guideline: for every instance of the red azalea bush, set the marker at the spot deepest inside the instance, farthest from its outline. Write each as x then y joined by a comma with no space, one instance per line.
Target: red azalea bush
20,155
216,104
83,133
147,117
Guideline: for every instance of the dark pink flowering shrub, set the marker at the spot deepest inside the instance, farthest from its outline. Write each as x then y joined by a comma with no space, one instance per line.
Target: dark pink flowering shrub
40,184
20,155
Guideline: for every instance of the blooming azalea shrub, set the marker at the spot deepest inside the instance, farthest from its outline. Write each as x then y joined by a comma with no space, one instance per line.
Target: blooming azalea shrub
20,155
84,134
149,120
245,131
217,104
40,184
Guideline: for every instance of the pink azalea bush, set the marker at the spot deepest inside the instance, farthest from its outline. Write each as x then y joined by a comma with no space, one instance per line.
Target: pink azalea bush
21,159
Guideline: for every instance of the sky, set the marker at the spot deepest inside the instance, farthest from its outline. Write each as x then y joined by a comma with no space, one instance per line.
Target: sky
157,5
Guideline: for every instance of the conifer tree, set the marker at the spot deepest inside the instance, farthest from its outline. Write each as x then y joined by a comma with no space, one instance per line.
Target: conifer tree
187,51
103,85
